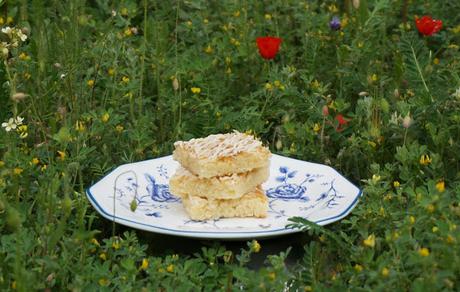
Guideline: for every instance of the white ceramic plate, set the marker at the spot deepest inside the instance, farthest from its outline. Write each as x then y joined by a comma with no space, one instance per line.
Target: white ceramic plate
295,188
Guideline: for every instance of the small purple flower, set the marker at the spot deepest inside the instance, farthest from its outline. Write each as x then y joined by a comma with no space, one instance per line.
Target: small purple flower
334,24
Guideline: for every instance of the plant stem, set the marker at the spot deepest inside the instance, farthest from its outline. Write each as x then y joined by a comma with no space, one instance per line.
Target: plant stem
420,72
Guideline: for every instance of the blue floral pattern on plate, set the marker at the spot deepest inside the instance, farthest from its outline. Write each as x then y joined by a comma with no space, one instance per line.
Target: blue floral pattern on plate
138,195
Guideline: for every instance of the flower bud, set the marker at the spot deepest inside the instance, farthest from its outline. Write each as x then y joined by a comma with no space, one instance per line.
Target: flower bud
279,145
175,84
407,121
325,111
356,4
18,96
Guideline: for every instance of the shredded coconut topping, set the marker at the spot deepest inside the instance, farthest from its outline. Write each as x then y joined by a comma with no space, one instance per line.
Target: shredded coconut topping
220,145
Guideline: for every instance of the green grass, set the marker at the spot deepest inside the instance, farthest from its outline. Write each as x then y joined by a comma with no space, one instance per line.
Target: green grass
101,84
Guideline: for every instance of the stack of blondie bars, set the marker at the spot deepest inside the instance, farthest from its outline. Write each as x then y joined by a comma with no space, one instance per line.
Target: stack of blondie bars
221,176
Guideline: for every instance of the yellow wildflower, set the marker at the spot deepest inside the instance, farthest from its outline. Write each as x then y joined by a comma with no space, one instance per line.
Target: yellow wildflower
205,21
22,130
103,282
124,11
282,87
425,159
23,56
61,155
208,49
435,229
125,79
411,219
127,32
9,20
374,77
195,90
255,246
369,241
430,208
43,168
189,23
315,84
90,83
396,184
236,13
277,83
95,242
235,42
360,44
105,117
456,29
375,178
119,128
35,161
436,61
424,252
144,265
385,272
344,22
268,86
268,16
332,8
18,170
170,268
441,186
272,276
308,288
316,127
103,256
229,70
116,244
80,126
358,268
161,270
111,71
450,239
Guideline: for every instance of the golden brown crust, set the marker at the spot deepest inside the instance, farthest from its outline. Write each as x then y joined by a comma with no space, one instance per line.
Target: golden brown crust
252,204
233,186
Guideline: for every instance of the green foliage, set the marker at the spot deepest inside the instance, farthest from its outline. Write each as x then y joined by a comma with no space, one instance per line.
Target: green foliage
101,83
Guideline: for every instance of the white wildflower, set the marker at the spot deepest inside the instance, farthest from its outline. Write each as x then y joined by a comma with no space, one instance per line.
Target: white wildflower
394,119
19,120
21,35
7,30
10,125
456,94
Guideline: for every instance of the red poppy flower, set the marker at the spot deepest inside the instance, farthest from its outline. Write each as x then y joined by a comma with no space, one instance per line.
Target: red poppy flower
427,25
268,46
342,122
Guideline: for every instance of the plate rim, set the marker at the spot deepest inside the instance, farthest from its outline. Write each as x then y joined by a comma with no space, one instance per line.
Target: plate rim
216,234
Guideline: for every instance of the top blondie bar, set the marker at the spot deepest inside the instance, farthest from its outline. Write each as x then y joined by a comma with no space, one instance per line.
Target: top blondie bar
221,154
